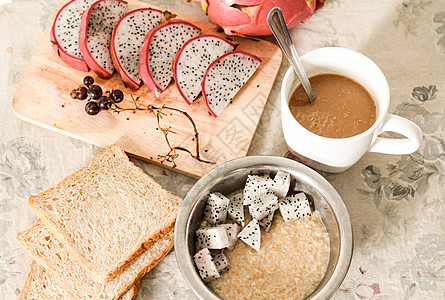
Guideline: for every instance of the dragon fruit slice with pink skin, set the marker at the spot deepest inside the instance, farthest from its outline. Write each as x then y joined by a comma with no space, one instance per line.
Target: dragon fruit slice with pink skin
281,184
192,60
64,34
263,206
221,261
215,211
158,50
95,33
128,35
212,238
266,222
206,267
294,207
232,231
256,185
225,77
235,211
251,235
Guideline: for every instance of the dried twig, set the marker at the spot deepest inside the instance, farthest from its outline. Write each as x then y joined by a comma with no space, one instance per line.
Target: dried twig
159,112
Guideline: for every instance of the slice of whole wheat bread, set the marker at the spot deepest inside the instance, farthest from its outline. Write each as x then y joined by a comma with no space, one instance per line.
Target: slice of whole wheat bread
48,252
107,214
40,286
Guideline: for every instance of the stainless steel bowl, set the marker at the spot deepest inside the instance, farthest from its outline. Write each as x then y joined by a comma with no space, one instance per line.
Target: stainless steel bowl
230,177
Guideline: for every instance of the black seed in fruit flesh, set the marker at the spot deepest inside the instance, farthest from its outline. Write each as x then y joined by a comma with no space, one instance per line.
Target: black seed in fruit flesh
82,93
73,94
88,80
94,92
117,96
92,108
104,102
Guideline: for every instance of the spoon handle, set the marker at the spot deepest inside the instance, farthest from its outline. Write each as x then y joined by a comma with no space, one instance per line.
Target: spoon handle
279,29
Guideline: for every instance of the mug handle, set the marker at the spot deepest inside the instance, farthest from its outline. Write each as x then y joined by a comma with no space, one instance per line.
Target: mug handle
409,144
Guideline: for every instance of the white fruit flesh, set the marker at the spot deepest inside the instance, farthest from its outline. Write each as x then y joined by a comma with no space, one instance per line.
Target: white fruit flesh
100,28
67,26
193,60
128,38
294,207
162,49
251,235
225,77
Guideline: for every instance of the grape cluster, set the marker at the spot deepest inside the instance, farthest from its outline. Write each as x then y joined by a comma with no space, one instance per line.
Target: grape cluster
97,99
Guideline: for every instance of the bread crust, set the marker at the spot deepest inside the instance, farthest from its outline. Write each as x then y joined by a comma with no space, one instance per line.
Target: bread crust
59,233
28,281
25,289
134,282
134,290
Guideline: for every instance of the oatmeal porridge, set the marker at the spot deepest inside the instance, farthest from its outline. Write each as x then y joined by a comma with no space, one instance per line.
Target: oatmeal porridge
290,264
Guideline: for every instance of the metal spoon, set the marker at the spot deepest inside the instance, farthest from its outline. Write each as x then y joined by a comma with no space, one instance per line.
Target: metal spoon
279,29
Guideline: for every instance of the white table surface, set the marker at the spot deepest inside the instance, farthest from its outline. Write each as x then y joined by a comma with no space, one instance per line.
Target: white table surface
396,203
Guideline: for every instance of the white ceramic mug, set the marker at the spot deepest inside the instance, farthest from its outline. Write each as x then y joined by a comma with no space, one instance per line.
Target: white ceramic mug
338,154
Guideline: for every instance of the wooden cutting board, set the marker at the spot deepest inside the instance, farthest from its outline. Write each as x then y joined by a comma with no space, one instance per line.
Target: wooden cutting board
42,98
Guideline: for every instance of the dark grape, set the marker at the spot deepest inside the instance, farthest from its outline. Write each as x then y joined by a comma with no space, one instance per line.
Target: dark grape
88,80
117,96
92,108
94,92
73,94
104,102
82,93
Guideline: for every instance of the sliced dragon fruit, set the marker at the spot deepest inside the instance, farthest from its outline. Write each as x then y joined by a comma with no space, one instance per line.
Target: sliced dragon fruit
64,34
225,77
158,50
256,185
206,267
266,222
215,210
263,206
235,211
192,60
294,207
221,261
126,41
232,231
95,33
281,184
212,238
251,235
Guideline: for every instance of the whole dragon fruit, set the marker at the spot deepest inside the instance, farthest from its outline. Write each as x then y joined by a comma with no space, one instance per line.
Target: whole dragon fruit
248,17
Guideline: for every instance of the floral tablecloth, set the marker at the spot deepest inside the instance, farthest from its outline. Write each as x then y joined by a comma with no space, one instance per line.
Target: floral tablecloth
396,203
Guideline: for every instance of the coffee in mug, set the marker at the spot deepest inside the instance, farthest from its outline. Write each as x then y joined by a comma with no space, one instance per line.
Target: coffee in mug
338,154
343,108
